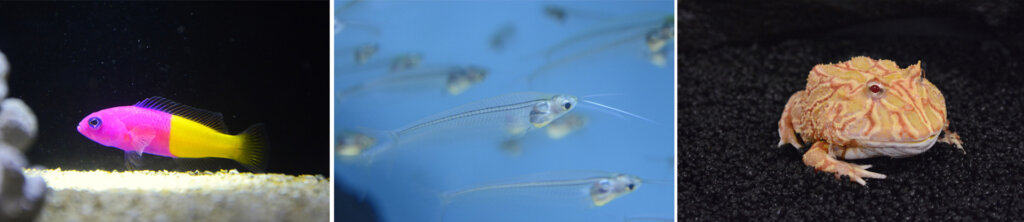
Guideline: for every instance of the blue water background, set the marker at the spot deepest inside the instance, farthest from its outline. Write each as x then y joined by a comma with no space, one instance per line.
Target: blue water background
405,187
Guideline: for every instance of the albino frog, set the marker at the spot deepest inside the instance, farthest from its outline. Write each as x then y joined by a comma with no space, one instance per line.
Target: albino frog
864,108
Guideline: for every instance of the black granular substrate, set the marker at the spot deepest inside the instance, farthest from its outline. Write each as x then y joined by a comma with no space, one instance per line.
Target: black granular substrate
740,61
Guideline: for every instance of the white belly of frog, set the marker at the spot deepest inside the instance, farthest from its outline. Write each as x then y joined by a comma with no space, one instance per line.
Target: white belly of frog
888,149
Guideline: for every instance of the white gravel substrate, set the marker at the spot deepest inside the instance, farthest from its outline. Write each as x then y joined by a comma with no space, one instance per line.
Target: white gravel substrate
182,196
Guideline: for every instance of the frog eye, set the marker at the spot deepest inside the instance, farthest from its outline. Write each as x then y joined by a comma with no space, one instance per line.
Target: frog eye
95,122
875,90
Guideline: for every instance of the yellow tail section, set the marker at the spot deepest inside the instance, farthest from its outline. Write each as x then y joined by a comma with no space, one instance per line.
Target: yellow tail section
190,139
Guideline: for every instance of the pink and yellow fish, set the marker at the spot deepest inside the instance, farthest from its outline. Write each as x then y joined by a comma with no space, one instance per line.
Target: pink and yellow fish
162,127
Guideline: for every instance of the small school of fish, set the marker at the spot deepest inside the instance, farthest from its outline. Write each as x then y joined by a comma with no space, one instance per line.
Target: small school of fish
407,130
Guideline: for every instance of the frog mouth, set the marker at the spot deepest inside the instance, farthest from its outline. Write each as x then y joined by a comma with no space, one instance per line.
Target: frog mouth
900,149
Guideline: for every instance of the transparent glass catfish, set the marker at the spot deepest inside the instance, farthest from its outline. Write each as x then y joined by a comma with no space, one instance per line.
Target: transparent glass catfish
657,39
584,189
656,32
452,80
562,13
507,116
406,62
503,37
363,53
364,57
634,26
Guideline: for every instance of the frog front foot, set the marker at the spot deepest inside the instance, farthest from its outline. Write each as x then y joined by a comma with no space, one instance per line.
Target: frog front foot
819,158
786,132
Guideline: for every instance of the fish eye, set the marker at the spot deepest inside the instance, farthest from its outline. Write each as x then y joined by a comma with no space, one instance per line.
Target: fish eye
630,186
95,122
567,105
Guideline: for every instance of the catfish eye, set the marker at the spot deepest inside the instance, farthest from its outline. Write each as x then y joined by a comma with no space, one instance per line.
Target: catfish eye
95,122
567,105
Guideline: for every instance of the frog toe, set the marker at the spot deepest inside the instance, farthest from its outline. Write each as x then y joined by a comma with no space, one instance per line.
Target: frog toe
857,173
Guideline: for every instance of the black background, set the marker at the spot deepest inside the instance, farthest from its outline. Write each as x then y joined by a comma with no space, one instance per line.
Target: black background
739,62
255,62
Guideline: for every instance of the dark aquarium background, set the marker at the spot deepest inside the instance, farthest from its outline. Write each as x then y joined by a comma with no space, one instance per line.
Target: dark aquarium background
740,61
254,62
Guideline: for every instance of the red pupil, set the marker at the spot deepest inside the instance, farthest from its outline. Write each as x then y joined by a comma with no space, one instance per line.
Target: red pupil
875,89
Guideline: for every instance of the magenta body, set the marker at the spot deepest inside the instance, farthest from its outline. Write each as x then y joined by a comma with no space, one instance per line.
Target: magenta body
120,124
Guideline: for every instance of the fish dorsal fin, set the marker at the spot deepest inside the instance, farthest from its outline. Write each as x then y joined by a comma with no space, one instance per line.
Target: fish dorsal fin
208,118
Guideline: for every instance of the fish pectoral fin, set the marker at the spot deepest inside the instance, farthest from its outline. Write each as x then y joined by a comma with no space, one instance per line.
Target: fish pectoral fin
140,139
132,160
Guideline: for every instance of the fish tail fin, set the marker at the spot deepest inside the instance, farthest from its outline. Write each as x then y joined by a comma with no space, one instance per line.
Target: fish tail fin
255,146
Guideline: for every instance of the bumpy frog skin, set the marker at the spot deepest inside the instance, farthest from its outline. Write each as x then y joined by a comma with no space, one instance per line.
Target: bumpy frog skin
864,108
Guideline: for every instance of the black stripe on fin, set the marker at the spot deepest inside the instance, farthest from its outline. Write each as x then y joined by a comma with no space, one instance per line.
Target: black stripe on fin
208,118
